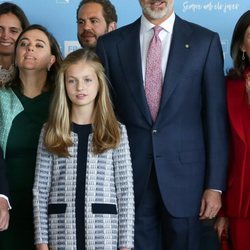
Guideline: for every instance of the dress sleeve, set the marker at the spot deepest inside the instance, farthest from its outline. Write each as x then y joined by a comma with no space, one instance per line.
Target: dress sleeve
41,191
125,191
4,188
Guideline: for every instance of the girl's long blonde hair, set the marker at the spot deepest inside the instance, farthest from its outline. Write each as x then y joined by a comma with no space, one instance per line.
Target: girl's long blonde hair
106,130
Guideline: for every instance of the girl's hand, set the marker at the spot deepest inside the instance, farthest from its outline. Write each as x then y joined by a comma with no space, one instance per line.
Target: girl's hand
42,247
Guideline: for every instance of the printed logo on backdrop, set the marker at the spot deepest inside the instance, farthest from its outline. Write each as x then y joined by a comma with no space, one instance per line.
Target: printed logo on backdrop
220,6
62,1
70,46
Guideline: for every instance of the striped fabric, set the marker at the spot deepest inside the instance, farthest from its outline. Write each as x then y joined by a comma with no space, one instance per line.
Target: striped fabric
109,184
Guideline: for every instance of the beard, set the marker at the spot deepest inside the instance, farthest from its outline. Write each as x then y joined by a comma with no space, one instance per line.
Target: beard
157,13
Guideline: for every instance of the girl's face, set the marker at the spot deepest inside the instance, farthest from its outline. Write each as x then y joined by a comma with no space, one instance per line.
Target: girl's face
81,85
33,51
10,28
246,42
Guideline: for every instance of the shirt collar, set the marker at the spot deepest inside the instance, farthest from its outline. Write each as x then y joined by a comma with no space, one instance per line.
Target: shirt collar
167,25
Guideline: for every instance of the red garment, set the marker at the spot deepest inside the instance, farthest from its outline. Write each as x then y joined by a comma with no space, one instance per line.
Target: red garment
224,242
236,199
239,233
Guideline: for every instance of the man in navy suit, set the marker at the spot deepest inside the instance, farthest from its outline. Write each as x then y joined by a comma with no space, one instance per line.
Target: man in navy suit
180,157
4,204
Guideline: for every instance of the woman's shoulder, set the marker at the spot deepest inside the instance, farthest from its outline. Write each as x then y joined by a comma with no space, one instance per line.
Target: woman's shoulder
9,99
122,126
6,92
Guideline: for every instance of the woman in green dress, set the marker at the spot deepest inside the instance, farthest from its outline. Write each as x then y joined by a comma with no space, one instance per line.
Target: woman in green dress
24,106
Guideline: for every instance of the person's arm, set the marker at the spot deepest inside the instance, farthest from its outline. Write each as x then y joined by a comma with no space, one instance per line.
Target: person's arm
215,122
4,191
125,192
41,189
4,187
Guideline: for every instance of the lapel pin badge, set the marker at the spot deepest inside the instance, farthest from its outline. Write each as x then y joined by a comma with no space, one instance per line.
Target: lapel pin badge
187,46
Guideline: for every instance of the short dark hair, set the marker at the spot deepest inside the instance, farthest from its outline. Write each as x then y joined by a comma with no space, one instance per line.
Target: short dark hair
7,7
109,12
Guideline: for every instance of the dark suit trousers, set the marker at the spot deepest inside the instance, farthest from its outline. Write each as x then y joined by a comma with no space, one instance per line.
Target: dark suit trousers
156,229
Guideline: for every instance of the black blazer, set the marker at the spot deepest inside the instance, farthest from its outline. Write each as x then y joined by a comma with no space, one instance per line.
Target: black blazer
4,189
188,141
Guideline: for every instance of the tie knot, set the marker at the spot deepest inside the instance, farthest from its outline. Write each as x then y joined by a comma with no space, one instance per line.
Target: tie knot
157,30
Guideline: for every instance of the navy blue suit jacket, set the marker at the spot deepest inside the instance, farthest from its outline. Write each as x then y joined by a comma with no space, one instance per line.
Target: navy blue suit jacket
188,141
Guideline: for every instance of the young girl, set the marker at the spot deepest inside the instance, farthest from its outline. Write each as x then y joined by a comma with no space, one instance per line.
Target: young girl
83,190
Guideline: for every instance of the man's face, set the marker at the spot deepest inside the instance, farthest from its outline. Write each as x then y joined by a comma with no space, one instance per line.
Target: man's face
91,24
157,9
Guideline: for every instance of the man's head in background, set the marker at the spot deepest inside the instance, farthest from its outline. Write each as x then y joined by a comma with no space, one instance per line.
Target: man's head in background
94,18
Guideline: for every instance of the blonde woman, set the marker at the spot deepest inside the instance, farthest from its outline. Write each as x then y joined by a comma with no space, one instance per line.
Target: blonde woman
83,190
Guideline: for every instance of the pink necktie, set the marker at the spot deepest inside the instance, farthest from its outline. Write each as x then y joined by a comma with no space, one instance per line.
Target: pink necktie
153,75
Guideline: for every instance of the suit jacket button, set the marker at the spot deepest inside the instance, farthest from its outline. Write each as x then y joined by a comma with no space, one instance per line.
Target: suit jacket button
154,131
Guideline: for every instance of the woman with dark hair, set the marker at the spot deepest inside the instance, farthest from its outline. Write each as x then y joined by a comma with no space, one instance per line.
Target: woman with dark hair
234,220
24,106
12,21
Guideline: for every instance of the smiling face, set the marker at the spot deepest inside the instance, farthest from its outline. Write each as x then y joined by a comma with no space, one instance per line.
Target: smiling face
10,29
82,85
157,11
33,51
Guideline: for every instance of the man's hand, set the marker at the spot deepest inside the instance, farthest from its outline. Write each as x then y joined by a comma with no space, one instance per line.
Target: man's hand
4,214
210,204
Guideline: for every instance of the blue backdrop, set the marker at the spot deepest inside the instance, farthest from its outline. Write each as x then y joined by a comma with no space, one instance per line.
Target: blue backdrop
59,16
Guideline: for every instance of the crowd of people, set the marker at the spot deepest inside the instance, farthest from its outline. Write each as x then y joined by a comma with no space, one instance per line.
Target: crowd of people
112,147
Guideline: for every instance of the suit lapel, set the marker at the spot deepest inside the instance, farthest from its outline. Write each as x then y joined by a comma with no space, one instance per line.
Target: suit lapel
179,49
130,57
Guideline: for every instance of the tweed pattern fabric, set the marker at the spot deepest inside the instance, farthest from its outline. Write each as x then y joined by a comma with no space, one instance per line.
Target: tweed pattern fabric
109,181
153,75
10,107
6,75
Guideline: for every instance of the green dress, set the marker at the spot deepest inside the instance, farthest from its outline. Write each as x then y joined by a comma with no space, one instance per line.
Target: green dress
21,160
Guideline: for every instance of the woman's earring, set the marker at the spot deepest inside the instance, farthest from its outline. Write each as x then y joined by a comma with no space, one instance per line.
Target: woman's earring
243,56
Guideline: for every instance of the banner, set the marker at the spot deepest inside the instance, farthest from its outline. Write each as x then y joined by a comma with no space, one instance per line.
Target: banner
59,16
